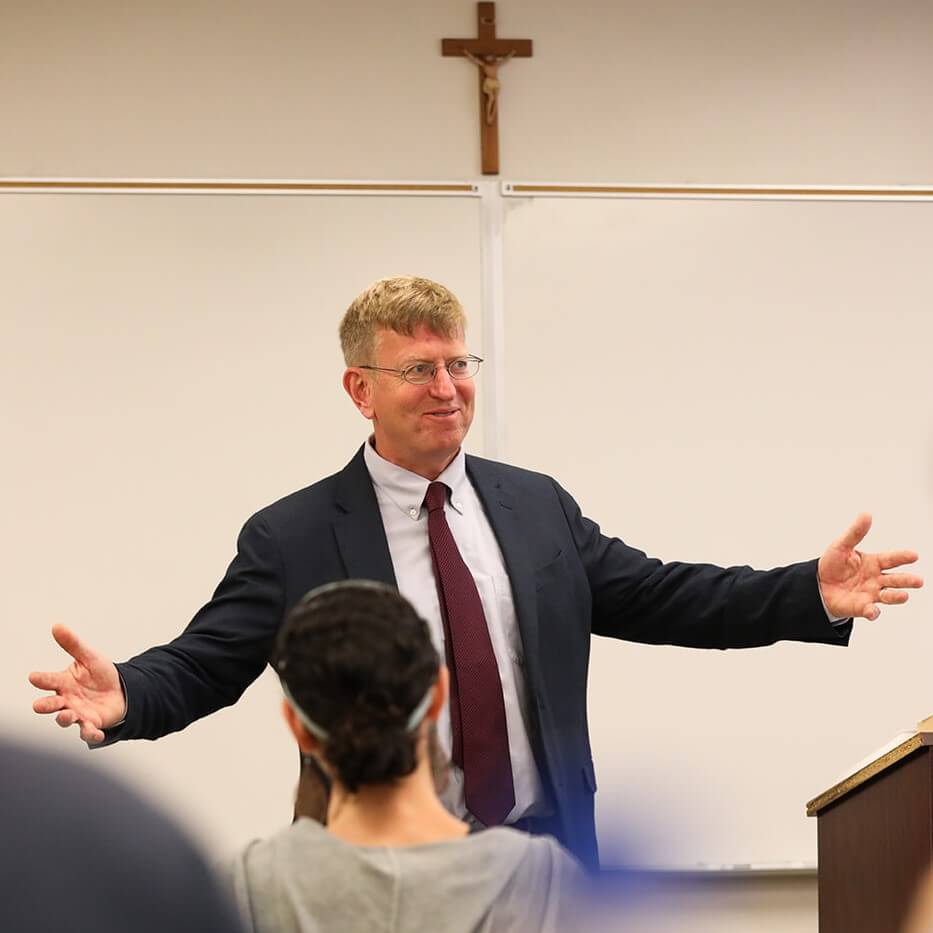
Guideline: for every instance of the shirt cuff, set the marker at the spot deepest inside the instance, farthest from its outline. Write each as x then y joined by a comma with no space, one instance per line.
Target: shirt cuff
835,621
126,701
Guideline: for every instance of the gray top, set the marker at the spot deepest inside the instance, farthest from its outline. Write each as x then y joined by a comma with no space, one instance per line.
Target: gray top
305,880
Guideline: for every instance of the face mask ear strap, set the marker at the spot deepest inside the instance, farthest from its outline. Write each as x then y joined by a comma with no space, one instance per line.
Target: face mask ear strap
310,762
317,731
419,712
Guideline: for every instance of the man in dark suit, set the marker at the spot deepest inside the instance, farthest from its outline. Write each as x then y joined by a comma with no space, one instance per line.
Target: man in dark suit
541,579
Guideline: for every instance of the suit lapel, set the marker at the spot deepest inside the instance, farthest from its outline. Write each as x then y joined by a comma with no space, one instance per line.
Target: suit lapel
364,550
361,537
505,518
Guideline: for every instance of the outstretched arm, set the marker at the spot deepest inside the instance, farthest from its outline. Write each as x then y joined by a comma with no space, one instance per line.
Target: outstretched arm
88,692
208,666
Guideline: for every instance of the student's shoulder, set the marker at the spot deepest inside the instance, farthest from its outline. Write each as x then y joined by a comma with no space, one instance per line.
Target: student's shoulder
540,849
545,880
303,839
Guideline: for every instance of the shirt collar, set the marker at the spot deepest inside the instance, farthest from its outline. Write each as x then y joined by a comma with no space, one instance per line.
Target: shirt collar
406,490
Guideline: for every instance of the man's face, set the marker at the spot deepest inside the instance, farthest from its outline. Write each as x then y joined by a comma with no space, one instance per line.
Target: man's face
418,427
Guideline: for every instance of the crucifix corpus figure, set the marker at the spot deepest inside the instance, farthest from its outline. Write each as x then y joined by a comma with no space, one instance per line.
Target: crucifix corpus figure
489,65
489,54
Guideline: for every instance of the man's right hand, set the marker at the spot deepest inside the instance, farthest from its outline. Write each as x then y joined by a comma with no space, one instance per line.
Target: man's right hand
88,692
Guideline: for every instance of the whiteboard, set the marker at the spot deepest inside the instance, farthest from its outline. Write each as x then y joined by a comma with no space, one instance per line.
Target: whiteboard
724,381
169,364
731,381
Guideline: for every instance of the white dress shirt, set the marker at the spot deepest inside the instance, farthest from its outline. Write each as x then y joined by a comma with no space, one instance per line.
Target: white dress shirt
400,495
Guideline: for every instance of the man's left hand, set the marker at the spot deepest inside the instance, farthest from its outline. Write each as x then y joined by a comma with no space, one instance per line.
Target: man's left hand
851,582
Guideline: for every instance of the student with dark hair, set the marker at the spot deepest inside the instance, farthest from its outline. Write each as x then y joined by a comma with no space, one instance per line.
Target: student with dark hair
363,690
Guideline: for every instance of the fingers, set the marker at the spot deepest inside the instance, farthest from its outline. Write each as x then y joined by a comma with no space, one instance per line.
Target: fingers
890,559
66,718
888,598
72,644
91,734
890,594
893,597
855,532
47,680
49,704
901,581
88,731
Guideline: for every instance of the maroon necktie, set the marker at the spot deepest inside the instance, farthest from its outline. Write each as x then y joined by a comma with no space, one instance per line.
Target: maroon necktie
477,710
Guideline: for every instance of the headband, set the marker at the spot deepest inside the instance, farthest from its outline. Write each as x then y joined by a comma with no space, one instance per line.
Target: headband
417,714
411,724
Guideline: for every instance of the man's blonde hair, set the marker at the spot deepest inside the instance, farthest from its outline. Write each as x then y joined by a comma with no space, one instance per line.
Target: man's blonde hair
399,303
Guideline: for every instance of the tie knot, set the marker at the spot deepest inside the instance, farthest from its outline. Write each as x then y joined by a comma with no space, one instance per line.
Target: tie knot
436,496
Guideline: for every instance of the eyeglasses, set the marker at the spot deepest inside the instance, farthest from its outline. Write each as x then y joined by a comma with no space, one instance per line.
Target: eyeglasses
421,373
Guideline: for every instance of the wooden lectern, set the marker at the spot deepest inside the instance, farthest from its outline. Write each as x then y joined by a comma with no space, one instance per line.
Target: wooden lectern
875,839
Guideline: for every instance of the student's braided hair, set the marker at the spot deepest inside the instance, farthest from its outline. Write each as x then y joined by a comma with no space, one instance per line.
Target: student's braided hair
357,659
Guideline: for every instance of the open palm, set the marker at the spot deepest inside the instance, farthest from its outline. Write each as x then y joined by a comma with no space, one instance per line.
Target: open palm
852,582
87,692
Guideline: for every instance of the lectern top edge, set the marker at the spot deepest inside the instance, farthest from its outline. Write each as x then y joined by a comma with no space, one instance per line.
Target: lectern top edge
924,736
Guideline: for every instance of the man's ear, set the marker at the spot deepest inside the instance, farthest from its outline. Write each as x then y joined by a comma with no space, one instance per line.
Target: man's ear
360,389
306,742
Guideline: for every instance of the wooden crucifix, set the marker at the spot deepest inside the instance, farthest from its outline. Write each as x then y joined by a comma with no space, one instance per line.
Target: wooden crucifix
488,54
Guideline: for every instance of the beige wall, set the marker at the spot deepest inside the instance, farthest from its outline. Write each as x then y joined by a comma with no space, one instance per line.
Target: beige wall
639,90
723,92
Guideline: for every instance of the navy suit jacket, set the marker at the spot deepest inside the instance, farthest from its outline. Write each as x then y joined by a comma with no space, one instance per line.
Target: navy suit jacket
568,580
